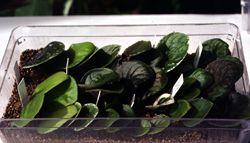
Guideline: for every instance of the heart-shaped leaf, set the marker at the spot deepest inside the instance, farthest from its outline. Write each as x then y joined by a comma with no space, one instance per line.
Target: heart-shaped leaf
199,109
179,109
137,48
160,82
143,128
46,54
99,77
159,123
65,94
217,92
212,49
226,71
33,107
112,116
127,111
115,88
107,54
89,110
176,47
79,108
135,71
204,78
79,52
63,116
191,94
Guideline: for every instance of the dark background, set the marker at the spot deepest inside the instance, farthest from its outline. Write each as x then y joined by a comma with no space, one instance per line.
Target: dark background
100,7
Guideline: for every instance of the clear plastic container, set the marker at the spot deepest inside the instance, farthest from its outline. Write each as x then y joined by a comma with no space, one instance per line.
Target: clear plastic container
245,12
34,37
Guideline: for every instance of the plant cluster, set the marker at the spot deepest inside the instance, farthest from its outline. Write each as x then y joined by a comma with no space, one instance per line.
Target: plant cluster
139,83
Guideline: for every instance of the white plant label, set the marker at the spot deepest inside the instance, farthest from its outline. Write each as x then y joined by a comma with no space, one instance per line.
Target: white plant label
198,55
177,86
17,72
22,92
67,66
132,101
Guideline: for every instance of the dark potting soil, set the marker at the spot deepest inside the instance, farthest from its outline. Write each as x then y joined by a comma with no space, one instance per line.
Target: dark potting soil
32,76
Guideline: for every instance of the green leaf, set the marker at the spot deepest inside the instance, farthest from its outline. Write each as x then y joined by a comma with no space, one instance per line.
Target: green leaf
35,104
137,72
179,109
217,92
65,94
79,52
112,116
160,82
48,53
63,116
212,49
107,54
199,109
36,7
99,77
137,48
204,78
176,47
127,111
159,123
191,94
115,88
79,108
89,110
189,82
144,128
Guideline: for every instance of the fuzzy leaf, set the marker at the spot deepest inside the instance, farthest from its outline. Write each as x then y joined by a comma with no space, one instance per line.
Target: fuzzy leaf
159,123
204,78
65,94
176,47
137,48
89,110
99,77
63,116
213,49
33,107
199,109
48,53
144,128
79,52
179,109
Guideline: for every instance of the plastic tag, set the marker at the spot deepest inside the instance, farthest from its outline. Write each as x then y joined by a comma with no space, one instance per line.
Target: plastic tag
17,72
67,66
177,85
132,101
198,55
22,92
98,97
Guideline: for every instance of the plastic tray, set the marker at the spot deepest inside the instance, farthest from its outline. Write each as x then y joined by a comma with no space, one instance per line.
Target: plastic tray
34,37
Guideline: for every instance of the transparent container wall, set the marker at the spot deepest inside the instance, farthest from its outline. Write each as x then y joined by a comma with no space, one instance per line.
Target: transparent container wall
34,37
205,132
245,12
